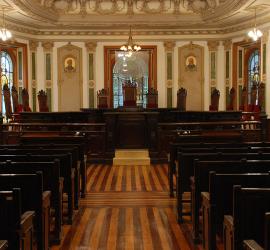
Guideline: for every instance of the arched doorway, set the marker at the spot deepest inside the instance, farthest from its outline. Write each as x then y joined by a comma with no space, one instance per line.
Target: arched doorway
132,68
110,59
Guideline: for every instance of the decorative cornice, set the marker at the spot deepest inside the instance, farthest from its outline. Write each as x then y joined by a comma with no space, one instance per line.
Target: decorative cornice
47,45
169,46
91,46
33,45
213,45
227,44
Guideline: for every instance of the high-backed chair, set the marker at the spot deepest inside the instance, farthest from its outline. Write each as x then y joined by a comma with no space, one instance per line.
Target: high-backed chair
102,98
232,99
253,98
152,98
130,94
25,100
261,96
42,101
243,103
214,100
15,100
7,101
181,99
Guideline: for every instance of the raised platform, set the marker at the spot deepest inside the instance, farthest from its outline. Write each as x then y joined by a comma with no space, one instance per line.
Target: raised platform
131,157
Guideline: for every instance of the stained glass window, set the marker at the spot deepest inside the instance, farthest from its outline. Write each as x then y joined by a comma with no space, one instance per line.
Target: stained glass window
253,71
6,74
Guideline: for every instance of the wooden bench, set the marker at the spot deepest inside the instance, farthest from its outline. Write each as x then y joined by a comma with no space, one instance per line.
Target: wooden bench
202,167
247,219
253,245
15,227
34,198
51,181
218,201
66,171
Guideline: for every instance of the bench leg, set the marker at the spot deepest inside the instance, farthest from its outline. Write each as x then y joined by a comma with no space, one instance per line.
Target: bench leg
83,177
170,178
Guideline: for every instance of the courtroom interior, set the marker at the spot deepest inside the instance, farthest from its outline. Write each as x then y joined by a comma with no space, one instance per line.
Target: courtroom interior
135,124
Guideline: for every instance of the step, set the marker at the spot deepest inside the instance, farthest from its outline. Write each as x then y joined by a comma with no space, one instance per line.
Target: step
131,153
131,161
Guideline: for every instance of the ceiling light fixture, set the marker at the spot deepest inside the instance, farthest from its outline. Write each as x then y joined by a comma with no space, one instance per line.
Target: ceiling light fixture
130,47
255,33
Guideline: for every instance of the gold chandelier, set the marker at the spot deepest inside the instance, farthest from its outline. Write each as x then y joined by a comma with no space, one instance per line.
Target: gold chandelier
5,34
255,33
130,47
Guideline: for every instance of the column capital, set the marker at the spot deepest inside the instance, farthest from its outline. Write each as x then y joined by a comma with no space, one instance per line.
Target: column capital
169,45
91,46
47,45
33,45
227,44
213,45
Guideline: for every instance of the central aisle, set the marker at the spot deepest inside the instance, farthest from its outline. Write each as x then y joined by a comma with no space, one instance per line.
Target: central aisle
126,207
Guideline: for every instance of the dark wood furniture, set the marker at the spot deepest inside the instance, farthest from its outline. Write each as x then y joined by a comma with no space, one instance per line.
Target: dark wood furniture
7,101
25,100
16,227
214,100
42,101
181,99
130,94
102,99
152,98
231,103
247,219
15,100
243,100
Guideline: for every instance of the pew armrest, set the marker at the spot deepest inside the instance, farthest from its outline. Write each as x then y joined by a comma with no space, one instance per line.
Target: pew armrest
228,232
26,221
27,230
46,198
251,245
206,237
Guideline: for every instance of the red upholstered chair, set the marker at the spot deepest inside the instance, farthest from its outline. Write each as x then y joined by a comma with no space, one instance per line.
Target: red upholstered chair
25,100
15,100
232,99
42,101
7,101
214,100
181,99
102,98
152,98
130,94
242,105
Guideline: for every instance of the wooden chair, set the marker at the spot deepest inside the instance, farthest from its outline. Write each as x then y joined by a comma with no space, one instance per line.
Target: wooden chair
102,98
152,98
261,96
130,94
25,100
253,98
243,103
7,100
232,99
214,100
181,99
42,101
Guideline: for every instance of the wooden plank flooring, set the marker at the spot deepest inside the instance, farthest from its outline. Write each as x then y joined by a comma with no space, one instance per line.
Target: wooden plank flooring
126,207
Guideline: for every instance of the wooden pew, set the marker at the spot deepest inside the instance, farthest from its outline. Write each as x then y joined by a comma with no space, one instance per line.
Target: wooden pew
218,201
253,245
34,199
71,154
16,227
66,172
176,147
247,219
3,245
200,180
51,181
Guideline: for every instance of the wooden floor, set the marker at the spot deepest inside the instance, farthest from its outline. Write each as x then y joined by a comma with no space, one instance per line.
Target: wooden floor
126,207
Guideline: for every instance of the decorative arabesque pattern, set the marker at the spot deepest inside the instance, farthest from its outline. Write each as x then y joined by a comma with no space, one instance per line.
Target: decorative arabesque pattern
129,7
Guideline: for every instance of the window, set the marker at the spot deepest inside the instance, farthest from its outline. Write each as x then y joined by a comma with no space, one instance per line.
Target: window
253,71
6,74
